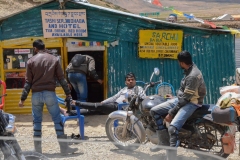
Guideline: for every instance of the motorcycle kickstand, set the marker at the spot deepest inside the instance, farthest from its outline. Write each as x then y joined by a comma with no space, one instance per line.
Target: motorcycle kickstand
146,141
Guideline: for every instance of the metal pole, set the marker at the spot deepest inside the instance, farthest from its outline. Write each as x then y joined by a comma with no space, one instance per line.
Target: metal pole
239,144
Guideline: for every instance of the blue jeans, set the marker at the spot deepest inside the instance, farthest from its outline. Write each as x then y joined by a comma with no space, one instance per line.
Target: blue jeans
38,100
160,111
79,83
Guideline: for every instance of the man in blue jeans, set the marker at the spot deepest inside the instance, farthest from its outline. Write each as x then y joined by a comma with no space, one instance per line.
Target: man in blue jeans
78,68
178,109
42,69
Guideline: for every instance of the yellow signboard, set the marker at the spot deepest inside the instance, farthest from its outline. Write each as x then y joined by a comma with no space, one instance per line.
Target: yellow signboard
160,43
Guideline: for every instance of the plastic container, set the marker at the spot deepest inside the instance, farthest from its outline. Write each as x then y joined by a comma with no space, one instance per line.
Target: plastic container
228,142
237,108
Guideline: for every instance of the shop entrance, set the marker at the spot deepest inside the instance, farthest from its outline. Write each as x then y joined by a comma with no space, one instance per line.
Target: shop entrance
95,90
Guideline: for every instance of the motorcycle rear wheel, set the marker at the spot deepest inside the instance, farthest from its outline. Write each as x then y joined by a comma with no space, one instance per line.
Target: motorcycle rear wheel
213,129
114,127
32,155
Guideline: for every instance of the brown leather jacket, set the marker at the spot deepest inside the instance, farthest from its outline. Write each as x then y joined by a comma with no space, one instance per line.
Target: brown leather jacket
42,71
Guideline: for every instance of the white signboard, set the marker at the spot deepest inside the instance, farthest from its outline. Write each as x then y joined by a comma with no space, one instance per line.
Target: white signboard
21,51
64,23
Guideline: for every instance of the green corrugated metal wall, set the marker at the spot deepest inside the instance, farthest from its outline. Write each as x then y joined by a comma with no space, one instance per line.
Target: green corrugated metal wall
214,57
212,51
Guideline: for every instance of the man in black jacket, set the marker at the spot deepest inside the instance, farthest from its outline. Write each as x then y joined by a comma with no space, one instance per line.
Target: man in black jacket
42,69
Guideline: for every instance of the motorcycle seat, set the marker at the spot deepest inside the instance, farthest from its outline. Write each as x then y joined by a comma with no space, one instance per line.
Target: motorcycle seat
201,111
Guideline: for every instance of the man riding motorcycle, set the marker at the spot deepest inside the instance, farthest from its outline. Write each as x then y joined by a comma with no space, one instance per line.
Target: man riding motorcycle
190,97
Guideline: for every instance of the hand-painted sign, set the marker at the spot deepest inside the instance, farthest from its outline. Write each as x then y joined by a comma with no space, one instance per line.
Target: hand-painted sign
21,51
64,23
160,43
152,14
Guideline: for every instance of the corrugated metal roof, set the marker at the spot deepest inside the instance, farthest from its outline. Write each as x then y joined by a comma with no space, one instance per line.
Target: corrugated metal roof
122,13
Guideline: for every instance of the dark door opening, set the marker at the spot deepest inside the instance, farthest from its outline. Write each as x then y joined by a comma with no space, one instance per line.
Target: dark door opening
95,90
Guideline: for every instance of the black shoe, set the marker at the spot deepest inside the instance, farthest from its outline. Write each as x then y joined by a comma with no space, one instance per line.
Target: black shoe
163,140
64,148
38,144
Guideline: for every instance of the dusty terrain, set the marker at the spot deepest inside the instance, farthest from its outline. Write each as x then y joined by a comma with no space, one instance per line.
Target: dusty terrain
97,145
8,7
205,8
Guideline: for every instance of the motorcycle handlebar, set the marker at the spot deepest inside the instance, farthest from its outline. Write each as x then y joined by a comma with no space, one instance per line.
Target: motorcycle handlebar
68,104
151,84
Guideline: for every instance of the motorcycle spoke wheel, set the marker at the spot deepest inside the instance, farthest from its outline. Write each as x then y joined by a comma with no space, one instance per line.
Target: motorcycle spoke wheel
210,141
114,128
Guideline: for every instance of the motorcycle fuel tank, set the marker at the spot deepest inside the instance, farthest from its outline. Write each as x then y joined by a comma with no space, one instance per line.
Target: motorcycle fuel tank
150,102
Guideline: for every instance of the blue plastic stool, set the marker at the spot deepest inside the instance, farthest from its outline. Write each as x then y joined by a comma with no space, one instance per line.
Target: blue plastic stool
78,116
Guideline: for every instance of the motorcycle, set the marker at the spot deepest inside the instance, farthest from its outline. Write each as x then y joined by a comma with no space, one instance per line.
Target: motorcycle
8,143
131,126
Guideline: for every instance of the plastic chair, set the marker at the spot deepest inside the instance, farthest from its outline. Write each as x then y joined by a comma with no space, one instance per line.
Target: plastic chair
78,116
165,84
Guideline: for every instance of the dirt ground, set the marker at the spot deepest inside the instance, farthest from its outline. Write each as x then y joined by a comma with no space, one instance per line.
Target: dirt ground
96,147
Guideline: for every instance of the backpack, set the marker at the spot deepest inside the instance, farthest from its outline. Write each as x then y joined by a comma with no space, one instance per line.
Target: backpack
78,64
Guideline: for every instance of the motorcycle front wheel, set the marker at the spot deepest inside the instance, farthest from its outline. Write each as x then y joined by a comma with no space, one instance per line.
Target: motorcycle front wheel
32,155
114,128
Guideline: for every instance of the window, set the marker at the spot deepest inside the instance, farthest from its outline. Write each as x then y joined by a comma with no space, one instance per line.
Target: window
16,58
15,63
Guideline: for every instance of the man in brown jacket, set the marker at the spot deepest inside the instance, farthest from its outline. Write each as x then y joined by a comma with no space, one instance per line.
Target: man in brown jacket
42,69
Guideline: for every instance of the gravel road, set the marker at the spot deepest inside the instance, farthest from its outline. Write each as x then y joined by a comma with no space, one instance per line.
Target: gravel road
96,147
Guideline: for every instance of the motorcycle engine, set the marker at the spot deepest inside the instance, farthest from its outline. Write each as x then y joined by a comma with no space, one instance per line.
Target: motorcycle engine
150,102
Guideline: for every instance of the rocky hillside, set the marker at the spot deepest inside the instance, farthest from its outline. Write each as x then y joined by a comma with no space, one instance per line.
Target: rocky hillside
200,8
8,7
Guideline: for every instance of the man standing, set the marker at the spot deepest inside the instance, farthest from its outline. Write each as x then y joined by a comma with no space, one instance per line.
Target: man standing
41,71
190,97
78,68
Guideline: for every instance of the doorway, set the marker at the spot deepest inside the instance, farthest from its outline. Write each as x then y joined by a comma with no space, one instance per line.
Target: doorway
95,90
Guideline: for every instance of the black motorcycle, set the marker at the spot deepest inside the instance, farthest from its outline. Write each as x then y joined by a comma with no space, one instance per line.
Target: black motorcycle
126,128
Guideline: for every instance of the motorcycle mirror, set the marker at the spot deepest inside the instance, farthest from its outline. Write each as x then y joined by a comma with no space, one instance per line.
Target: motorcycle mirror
156,71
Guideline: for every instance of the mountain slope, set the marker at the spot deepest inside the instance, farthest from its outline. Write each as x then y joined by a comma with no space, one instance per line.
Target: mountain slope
8,7
201,8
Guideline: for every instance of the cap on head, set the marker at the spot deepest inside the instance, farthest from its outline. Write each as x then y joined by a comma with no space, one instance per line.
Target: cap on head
172,18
